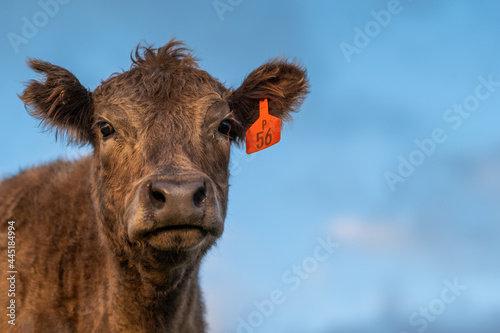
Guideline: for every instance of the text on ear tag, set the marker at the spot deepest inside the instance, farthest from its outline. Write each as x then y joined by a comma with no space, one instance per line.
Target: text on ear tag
265,132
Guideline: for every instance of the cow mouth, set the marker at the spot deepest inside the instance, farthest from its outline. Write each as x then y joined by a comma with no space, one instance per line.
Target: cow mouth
178,237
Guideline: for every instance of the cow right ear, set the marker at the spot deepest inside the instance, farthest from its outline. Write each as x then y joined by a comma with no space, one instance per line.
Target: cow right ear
60,102
283,83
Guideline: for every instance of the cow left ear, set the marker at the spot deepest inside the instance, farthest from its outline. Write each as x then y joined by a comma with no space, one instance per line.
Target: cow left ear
284,84
60,102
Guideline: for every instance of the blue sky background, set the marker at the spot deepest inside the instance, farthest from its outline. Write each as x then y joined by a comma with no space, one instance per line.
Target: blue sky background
325,179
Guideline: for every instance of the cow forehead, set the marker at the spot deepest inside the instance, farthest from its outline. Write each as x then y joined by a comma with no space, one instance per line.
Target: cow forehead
159,85
140,95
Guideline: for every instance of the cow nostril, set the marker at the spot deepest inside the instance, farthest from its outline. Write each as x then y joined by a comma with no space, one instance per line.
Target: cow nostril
157,197
200,196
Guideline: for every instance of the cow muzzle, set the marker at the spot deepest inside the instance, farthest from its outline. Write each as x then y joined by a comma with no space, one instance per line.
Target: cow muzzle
176,212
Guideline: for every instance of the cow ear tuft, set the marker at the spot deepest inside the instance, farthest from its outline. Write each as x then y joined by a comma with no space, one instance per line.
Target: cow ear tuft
284,84
60,101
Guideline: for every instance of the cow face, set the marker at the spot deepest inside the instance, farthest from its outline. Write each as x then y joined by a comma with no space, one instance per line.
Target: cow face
161,134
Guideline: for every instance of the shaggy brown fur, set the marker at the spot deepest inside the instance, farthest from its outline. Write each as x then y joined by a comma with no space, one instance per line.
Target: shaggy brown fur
113,242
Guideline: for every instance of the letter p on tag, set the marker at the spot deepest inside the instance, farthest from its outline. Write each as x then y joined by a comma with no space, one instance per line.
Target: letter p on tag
265,132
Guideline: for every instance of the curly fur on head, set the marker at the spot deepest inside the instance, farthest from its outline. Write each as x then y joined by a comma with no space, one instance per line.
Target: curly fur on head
173,54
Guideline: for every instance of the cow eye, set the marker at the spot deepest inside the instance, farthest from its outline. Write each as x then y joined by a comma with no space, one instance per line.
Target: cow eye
106,129
225,128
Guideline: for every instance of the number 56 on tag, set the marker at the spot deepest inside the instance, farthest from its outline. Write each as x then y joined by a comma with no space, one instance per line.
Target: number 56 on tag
265,132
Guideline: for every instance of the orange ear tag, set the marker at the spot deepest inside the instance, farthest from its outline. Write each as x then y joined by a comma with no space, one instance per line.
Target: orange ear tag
265,132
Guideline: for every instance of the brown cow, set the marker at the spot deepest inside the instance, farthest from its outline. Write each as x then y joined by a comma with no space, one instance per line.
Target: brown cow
113,242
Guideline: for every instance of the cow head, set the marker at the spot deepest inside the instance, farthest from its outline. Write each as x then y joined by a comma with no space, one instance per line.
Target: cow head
161,134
